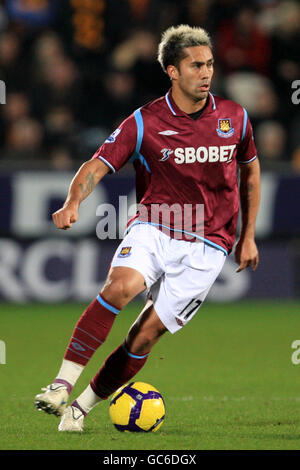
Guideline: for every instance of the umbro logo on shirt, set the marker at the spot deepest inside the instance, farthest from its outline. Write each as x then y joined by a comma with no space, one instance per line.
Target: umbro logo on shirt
168,132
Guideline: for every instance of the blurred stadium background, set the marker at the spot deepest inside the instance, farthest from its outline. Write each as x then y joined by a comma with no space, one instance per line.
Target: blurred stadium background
73,69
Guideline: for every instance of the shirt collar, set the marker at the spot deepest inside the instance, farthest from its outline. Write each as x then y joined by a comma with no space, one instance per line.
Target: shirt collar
176,111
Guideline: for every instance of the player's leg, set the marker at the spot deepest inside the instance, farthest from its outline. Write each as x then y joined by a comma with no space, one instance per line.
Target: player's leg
90,332
136,263
93,327
119,367
191,278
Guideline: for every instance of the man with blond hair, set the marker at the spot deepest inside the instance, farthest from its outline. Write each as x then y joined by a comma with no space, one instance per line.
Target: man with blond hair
186,148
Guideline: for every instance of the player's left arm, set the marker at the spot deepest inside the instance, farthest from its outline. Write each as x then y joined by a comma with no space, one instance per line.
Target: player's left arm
246,252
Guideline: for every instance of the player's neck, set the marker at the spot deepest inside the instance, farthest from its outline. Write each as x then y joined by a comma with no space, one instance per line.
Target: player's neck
186,104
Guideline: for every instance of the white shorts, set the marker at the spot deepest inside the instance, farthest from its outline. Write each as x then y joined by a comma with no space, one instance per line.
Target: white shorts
177,273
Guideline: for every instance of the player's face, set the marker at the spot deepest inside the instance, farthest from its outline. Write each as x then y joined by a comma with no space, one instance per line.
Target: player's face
194,75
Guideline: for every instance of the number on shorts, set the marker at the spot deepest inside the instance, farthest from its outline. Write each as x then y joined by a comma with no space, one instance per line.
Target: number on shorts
193,305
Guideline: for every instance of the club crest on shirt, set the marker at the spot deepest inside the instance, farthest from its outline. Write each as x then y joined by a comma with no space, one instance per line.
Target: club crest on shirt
224,128
166,153
126,251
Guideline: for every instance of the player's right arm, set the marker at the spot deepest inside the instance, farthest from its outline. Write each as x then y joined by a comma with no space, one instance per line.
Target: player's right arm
109,158
83,183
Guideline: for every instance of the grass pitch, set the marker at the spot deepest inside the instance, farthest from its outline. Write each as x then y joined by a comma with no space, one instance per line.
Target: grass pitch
227,379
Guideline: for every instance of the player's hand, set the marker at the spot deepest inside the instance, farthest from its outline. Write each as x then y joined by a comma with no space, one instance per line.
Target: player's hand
65,217
246,254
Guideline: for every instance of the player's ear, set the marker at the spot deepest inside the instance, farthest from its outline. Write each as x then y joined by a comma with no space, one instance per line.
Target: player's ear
172,72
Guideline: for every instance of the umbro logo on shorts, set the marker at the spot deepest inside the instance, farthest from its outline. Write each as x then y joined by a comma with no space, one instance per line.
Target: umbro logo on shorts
180,322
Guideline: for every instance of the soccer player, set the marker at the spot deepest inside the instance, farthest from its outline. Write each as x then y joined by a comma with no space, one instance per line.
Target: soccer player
187,148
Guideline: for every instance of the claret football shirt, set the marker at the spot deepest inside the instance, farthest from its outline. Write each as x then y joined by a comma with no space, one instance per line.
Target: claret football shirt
185,164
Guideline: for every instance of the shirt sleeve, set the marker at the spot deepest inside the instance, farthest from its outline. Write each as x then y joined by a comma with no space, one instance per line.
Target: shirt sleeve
119,146
246,151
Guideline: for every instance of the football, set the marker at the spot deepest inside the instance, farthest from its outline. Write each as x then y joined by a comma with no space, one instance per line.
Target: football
137,407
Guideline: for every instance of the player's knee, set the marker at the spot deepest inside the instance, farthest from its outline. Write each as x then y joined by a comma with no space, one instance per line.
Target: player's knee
118,290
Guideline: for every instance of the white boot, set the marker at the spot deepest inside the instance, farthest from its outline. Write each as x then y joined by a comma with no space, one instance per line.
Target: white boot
72,419
53,400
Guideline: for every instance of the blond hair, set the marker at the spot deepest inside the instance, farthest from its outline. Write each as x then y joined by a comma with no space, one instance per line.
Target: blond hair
175,39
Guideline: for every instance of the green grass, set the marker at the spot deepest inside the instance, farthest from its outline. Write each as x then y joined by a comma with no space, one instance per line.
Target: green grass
227,379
